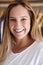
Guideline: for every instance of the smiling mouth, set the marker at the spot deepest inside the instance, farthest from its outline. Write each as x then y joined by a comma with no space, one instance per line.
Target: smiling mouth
18,31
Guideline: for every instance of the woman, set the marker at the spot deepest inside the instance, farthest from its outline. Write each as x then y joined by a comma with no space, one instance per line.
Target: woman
20,42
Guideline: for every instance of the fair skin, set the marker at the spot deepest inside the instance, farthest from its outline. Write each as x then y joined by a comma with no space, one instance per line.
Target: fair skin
19,25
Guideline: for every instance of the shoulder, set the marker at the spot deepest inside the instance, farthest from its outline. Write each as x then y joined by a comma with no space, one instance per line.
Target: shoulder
40,46
39,43
39,53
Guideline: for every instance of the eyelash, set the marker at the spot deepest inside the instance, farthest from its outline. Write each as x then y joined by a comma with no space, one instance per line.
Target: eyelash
14,20
23,19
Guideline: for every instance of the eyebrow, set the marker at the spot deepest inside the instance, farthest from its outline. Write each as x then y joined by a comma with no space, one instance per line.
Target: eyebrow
20,17
11,17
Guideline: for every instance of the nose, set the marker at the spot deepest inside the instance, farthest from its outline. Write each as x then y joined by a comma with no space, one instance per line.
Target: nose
18,24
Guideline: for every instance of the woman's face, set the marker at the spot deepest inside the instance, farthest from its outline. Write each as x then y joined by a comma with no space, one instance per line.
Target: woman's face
19,22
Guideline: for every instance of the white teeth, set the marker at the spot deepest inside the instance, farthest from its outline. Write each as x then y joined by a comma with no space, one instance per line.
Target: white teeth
19,30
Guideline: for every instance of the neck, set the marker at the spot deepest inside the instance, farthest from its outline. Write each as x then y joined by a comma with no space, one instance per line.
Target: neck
22,44
22,41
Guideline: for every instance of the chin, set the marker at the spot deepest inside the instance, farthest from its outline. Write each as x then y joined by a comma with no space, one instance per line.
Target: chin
20,37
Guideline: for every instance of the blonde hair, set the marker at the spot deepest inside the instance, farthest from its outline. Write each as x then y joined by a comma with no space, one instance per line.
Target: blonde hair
37,30
7,40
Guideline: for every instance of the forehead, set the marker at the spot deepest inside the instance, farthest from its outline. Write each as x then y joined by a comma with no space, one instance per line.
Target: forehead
18,10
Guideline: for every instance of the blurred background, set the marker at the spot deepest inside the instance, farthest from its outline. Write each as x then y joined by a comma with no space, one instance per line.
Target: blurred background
36,4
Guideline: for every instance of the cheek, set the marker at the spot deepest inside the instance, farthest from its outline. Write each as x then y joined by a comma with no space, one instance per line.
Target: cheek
27,25
11,25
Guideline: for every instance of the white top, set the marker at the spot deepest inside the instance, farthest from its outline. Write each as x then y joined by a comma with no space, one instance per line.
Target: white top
33,55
